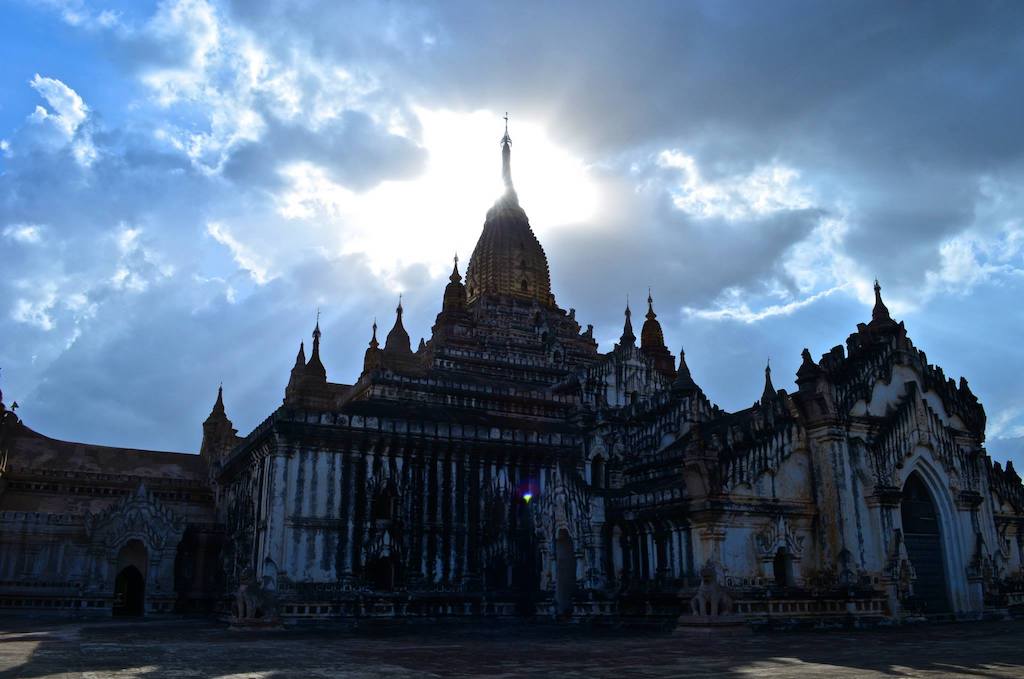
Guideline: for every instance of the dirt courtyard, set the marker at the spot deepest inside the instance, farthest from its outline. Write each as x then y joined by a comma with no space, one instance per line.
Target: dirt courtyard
190,648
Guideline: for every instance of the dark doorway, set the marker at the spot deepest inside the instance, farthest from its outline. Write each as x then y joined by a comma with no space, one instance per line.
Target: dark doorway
496,575
923,540
565,582
130,582
782,567
129,592
381,574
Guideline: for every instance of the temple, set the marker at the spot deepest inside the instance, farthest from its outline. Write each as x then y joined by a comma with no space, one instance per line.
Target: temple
508,468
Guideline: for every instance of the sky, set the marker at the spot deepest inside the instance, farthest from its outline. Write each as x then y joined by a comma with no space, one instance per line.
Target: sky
184,183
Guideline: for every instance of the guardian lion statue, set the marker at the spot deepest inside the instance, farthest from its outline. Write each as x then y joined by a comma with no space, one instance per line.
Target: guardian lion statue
711,598
253,602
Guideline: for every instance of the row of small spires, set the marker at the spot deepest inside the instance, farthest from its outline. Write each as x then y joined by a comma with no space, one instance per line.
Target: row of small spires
398,340
683,382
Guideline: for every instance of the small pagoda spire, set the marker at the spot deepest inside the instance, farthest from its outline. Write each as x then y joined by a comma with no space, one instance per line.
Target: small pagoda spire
398,338
628,338
769,389
218,431
880,313
300,358
506,157
315,366
456,277
684,381
652,338
218,412
218,406
373,340
371,357
808,372
455,292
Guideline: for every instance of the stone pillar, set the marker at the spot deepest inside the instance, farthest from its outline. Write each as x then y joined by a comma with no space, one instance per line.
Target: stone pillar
275,543
835,500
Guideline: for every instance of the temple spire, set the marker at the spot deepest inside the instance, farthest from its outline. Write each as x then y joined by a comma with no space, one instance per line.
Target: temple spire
506,157
315,366
300,358
398,339
218,431
683,383
456,277
880,313
769,389
628,338
373,340
217,412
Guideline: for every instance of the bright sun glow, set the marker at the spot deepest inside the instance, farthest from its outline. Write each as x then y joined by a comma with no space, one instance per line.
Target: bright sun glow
426,219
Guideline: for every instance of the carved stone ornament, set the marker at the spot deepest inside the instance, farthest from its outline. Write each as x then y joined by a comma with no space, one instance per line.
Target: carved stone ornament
138,515
779,534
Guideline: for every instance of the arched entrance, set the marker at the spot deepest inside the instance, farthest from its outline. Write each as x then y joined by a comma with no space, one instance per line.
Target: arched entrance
382,574
565,575
130,583
129,592
923,539
782,568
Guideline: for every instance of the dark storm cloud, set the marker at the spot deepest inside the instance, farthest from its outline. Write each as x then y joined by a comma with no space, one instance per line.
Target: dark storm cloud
357,153
649,242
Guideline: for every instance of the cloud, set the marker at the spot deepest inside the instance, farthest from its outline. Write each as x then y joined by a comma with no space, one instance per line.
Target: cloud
765,190
63,123
733,305
245,259
69,111
28,234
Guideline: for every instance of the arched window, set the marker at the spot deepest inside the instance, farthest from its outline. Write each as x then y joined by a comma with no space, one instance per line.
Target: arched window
597,472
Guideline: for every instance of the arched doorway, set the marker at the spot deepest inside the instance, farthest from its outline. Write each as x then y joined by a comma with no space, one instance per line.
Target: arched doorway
923,539
129,592
565,575
130,581
382,574
782,568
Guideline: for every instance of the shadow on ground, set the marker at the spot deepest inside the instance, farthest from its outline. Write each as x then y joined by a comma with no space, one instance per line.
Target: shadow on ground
189,648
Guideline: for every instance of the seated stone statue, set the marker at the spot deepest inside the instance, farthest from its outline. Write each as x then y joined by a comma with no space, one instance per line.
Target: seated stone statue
711,598
252,602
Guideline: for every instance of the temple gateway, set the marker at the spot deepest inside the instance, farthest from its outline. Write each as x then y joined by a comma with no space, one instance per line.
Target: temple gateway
507,468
